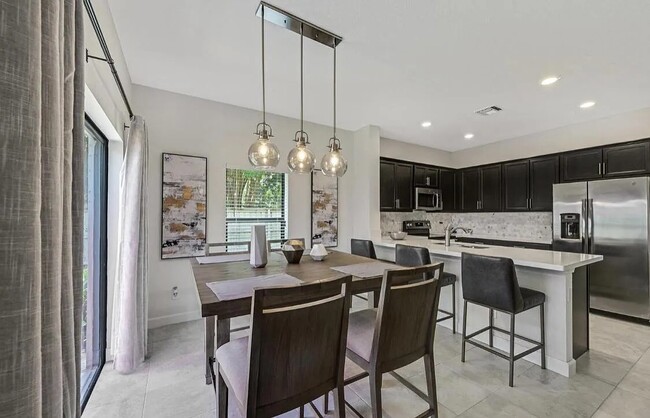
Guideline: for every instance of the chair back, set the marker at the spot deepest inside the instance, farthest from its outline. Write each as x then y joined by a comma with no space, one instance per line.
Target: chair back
406,316
410,256
363,247
297,346
276,244
221,248
491,281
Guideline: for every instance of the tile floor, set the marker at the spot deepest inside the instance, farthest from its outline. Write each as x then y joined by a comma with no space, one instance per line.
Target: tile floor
613,380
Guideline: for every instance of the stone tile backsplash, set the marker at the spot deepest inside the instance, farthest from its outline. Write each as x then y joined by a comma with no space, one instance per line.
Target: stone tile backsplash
514,226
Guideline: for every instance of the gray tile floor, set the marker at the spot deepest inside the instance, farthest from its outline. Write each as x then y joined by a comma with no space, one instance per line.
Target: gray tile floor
613,380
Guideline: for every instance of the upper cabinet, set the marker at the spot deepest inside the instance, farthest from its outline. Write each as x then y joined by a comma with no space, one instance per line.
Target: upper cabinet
626,160
425,176
470,180
448,190
516,181
544,172
581,165
395,186
481,189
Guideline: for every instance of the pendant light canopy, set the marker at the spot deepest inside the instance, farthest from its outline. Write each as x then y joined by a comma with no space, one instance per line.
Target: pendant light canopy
334,163
263,153
301,159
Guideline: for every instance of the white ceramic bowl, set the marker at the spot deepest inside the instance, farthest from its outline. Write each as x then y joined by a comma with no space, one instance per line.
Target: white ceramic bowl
399,235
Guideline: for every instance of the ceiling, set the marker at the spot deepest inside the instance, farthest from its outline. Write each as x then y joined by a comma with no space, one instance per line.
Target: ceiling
403,62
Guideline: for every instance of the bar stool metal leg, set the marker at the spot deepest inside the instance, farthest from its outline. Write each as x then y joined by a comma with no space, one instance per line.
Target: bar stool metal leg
462,354
430,370
491,329
543,339
453,307
512,349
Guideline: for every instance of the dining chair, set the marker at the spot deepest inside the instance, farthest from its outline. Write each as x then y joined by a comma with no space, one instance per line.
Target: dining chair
272,242
410,256
492,282
209,248
363,248
296,349
400,331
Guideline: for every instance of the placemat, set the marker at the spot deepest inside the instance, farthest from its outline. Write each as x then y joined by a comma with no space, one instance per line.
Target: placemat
243,288
223,258
367,270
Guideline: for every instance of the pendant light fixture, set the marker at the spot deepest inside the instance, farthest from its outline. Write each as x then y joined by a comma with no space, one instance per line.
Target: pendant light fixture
333,163
301,159
263,153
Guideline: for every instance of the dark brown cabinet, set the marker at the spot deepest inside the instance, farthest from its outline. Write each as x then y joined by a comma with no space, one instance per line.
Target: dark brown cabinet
626,160
516,181
448,190
395,186
544,173
470,189
581,165
425,176
490,200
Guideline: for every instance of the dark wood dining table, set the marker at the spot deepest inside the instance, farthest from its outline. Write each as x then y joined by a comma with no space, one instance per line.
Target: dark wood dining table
217,313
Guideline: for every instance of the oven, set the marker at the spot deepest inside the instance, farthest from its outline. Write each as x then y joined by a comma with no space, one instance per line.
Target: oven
417,228
428,199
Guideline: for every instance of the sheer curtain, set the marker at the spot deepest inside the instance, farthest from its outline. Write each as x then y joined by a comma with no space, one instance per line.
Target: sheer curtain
129,336
41,206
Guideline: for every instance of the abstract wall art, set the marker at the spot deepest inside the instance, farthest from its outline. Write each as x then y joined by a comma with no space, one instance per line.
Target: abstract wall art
184,204
324,209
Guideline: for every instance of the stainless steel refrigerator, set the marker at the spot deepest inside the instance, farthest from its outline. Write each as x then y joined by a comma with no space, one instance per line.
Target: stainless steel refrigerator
610,218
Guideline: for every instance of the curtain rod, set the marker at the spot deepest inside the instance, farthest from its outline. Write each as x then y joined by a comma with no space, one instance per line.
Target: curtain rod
107,53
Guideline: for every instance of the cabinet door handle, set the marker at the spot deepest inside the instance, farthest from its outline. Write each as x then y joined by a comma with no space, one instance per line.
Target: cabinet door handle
600,168
604,168
397,203
477,205
428,181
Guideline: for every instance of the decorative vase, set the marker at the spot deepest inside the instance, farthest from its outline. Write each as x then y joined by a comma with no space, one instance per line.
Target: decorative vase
318,252
258,246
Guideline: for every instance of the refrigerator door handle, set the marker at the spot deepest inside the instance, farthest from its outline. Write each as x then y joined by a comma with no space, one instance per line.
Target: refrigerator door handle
584,234
590,225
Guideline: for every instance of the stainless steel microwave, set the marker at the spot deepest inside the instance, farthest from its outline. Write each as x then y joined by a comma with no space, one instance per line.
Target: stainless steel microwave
428,199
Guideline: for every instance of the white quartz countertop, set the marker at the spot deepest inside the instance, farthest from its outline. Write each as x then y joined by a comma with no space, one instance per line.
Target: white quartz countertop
539,259
504,238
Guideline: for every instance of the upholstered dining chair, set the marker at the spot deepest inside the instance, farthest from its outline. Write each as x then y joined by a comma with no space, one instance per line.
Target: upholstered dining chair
400,331
406,255
295,352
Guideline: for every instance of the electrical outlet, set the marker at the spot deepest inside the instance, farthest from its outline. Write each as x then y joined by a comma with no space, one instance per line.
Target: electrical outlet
174,292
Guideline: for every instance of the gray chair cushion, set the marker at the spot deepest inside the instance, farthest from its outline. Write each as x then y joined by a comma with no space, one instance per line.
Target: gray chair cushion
363,247
233,362
447,279
361,329
532,297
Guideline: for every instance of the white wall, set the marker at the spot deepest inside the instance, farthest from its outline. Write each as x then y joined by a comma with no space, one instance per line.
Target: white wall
187,125
411,152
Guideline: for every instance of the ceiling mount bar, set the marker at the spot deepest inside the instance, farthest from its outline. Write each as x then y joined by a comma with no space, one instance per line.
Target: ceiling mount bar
295,24
107,53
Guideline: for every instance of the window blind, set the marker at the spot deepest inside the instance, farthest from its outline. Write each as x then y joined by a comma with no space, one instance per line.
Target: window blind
255,197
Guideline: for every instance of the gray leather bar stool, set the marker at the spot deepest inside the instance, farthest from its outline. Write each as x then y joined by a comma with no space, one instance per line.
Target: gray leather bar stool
491,282
409,256
364,248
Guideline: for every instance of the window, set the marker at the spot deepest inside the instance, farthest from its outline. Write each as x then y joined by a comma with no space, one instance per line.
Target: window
255,197
93,319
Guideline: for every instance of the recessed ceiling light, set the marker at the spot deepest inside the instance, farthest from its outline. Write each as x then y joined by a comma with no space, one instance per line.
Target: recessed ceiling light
549,80
587,105
469,136
426,124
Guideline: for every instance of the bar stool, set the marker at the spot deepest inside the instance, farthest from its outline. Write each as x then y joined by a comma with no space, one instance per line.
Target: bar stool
400,331
409,256
363,247
491,282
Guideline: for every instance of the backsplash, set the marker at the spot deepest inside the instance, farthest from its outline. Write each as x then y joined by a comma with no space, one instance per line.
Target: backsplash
513,226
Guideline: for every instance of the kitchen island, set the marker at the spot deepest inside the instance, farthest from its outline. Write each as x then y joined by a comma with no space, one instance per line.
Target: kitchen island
561,276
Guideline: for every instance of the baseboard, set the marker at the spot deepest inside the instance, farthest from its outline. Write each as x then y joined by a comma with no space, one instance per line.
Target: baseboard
161,321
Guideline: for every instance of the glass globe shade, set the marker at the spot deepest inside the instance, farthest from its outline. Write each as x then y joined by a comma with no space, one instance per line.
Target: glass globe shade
264,154
334,164
301,159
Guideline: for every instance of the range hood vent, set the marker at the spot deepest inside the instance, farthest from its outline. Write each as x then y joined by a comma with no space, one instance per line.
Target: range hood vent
487,111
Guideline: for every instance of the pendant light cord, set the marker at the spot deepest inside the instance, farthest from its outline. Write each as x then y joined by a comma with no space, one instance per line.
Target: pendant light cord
263,77
301,83
334,88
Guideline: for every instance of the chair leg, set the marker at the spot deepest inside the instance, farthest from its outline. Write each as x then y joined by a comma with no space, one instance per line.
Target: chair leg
543,339
326,402
302,412
453,308
429,367
339,401
462,345
375,394
491,325
512,350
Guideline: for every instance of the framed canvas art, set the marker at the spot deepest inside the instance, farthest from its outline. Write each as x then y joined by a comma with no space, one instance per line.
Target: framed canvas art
324,209
184,205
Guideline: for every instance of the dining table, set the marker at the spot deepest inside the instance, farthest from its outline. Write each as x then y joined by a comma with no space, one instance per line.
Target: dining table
217,313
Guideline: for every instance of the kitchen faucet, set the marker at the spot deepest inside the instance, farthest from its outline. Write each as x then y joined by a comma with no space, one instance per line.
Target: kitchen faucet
451,229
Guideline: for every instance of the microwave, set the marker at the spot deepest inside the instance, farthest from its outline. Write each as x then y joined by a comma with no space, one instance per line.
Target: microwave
428,199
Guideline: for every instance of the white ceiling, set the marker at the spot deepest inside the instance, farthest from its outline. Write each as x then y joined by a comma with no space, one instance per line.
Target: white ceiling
403,62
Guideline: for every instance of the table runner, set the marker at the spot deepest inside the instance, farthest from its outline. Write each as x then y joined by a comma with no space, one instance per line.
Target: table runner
243,288
367,270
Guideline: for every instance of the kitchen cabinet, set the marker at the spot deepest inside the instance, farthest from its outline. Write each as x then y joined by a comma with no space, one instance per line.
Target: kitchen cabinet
470,189
395,186
490,200
544,172
425,176
516,182
626,160
448,190
581,165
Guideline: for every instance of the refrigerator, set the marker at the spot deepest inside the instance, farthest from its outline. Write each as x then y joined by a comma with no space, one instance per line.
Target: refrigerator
610,218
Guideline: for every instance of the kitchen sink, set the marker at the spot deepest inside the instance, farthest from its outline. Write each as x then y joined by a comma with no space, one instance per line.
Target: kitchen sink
476,247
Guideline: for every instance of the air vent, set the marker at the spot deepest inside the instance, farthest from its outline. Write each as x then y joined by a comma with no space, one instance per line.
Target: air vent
487,111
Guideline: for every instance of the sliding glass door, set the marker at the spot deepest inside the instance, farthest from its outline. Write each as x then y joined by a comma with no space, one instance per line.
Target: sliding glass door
93,320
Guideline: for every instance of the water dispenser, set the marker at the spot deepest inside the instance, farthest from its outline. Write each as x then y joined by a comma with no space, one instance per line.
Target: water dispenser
570,225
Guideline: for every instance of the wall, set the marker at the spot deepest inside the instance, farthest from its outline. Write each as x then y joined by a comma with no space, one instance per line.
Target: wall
512,226
187,125
410,152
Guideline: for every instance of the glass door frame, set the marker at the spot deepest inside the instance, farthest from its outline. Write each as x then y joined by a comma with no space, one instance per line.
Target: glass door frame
100,296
